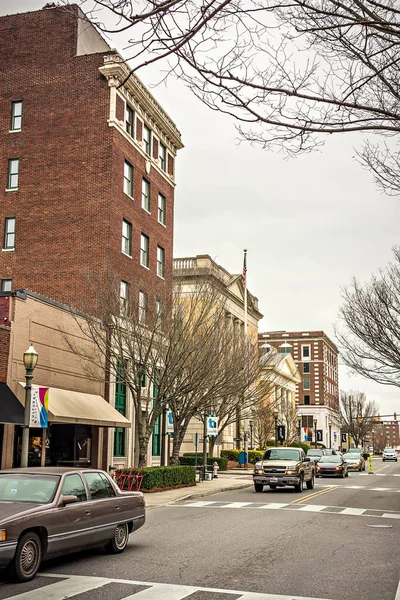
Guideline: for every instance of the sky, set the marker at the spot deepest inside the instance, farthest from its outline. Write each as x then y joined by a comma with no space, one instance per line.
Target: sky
309,224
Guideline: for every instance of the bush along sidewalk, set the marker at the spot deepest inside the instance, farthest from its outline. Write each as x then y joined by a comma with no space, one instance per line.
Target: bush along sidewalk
156,479
190,459
233,455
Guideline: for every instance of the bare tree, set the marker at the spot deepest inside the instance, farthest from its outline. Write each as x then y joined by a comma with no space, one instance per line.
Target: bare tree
290,72
357,415
369,325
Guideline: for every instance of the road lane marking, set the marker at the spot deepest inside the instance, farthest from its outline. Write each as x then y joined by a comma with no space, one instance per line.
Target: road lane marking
65,589
314,495
382,469
238,504
390,516
353,511
274,505
312,508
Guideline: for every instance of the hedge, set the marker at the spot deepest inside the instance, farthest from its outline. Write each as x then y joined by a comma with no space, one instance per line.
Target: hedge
253,455
189,459
164,477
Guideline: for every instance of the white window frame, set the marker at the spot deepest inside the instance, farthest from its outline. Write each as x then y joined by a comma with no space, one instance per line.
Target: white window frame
9,232
146,194
128,179
124,290
13,184
161,209
129,125
309,384
307,358
144,250
143,306
146,139
16,119
126,237
6,285
162,155
161,262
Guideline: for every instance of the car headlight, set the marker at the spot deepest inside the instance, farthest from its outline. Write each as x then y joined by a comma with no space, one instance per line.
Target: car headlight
258,466
3,535
258,471
338,468
318,468
291,472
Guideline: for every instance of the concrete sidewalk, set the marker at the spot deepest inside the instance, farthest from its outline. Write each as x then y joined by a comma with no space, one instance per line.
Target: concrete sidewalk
225,482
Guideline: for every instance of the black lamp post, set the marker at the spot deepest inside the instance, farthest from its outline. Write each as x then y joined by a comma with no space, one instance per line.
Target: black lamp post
251,434
373,440
30,362
299,427
276,425
315,432
330,434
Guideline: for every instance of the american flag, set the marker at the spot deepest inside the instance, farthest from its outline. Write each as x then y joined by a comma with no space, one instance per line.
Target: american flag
244,272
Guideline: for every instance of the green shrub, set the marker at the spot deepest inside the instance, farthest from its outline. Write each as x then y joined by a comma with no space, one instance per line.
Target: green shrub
303,445
164,477
189,459
253,455
231,454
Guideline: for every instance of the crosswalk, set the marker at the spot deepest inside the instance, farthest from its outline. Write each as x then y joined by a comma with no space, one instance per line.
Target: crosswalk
68,586
337,510
365,488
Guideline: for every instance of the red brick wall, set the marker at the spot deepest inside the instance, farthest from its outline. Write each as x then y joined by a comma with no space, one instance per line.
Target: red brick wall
5,337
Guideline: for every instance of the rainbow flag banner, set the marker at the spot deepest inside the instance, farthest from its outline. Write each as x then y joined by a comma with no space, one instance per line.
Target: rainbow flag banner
39,407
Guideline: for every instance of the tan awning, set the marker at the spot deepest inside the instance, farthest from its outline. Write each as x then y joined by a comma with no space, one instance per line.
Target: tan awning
79,408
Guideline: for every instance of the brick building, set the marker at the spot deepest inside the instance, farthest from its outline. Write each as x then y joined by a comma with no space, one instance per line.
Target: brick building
385,433
87,168
317,395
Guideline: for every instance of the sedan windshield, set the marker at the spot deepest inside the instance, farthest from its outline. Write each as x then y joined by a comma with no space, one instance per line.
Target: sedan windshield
281,454
350,456
330,459
314,453
28,488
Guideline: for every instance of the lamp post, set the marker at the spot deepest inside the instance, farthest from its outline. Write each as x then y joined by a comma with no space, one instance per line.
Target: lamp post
330,434
359,421
251,434
30,362
315,432
373,440
299,427
276,426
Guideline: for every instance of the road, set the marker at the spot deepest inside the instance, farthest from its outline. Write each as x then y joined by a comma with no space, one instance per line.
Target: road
339,542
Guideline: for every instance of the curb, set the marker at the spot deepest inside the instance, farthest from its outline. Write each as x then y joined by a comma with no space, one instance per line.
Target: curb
202,494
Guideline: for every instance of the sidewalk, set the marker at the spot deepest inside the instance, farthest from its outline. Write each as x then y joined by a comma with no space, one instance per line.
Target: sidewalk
227,481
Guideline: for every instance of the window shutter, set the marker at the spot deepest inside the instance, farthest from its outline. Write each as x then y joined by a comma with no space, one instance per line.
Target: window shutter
155,147
139,130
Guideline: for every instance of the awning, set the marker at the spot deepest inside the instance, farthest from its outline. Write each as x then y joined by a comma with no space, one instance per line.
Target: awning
11,409
79,408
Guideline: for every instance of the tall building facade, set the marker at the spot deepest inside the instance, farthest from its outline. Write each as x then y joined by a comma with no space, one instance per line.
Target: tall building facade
317,394
87,174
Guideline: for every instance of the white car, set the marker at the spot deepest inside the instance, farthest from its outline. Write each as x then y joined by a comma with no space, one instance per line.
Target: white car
389,454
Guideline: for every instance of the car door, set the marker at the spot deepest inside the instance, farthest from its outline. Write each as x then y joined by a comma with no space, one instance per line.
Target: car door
72,528
107,509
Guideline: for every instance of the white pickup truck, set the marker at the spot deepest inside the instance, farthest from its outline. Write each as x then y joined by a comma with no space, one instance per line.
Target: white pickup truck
284,466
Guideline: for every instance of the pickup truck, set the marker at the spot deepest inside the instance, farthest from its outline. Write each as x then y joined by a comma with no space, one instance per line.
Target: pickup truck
284,466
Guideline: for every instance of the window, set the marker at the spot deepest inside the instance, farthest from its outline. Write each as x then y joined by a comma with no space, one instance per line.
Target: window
16,116
9,233
142,306
126,237
120,405
305,351
146,194
306,367
124,292
160,261
306,383
128,179
161,209
162,155
119,441
6,285
144,250
13,174
307,400
129,120
99,486
146,139
159,313
73,486
307,421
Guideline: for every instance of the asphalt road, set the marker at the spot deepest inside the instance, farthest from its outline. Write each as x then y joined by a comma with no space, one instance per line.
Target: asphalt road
339,541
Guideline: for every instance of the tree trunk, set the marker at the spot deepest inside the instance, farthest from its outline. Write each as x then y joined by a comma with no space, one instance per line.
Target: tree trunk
176,447
211,445
143,439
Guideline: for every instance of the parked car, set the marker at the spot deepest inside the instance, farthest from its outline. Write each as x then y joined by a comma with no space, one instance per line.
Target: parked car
49,511
355,461
389,454
332,465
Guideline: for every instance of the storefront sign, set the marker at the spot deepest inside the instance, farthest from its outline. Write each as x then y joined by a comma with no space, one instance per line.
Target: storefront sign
212,426
39,407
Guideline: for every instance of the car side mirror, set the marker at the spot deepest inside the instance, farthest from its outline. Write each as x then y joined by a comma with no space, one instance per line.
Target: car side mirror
64,500
306,459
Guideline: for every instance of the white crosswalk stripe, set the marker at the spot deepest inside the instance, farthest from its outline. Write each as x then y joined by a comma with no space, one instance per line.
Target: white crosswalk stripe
298,507
357,487
73,585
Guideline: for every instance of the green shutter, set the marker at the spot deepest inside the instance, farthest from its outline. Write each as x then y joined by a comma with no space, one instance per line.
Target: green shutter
156,438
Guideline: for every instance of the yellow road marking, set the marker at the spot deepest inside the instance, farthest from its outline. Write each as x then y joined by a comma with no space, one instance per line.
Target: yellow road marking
313,495
381,468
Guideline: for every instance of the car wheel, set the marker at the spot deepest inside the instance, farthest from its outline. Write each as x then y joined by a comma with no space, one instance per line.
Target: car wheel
258,487
272,487
120,539
310,484
299,486
27,558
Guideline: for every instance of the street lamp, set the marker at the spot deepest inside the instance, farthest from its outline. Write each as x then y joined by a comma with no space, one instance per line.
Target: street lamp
276,425
373,440
251,434
330,434
359,421
30,362
315,432
299,426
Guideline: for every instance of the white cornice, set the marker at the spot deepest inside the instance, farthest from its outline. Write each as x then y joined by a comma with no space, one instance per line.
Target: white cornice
117,72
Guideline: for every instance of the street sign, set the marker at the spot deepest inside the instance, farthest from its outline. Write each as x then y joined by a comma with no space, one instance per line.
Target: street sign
212,426
281,433
319,435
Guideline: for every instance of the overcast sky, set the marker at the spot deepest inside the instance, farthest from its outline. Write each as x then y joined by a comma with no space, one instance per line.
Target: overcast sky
310,224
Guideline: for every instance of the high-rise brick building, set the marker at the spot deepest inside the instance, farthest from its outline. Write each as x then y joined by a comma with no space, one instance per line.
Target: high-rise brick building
87,179
87,155
317,395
